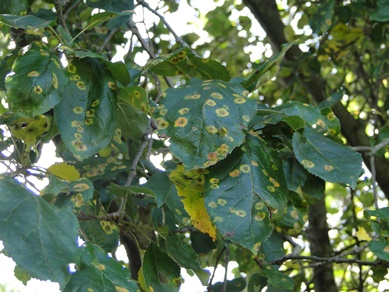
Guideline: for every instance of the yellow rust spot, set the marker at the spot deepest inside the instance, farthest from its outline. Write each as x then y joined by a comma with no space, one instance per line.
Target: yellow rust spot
214,186
72,68
77,200
161,123
193,96
78,110
246,118
331,116
79,146
260,216
244,168
212,205
239,100
205,60
274,167
75,77
218,219
259,205
222,112
271,189
112,85
80,130
221,85
95,103
214,180
216,95
212,156
76,124
254,163
223,131
55,80
320,123
90,113
386,248
44,53
81,187
240,213
211,130
256,247
118,132
274,182
245,93
307,163
163,112
183,111
181,122
294,214
222,202
181,55
210,102
38,89
328,167
78,136
120,289
234,173
107,226
265,172
33,74
81,85
88,121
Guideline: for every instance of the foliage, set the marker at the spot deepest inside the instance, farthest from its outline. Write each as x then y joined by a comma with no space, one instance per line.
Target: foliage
248,149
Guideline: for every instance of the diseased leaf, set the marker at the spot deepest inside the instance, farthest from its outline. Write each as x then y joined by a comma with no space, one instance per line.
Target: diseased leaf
326,158
102,233
160,272
98,271
40,238
321,21
38,83
190,186
86,117
245,191
205,120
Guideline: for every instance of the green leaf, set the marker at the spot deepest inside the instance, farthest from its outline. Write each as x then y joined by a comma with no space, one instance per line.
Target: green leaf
86,116
64,171
328,123
160,271
160,184
245,191
382,213
114,6
295,174
40,238
102,233
184,62
235,285
98,271
119,72
278,279
381,12
321,21
25,22
123,190
266,71
380,248
38,83
326,158
13,6
205,121
273,248
256,283
22,275
181,251
309,113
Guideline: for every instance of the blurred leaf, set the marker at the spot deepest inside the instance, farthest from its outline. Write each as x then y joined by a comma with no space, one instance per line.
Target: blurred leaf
362,234
245,191
380,248
13,6
25,22
40,238
278,279
381,12
256,283
161,273
97,270
38,83
114,6
382,213
235,285
190,185
295,174
205,121
325,158
22,275
321,21
86,116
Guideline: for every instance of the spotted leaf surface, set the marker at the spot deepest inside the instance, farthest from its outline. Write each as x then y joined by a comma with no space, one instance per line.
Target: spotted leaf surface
244,192
86,115
326,158
38,82
205,120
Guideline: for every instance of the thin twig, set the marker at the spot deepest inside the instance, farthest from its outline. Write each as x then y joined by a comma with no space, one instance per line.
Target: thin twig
209,289
61,18
71,8
107,39
227,260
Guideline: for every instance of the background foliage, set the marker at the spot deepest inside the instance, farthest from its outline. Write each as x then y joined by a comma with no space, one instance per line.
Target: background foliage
269,118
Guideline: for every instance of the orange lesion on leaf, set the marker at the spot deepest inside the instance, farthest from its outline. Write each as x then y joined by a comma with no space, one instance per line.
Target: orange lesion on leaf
222,112
38,89
217,95
244,168
112,85
33,74
234,173
183,111
274,182
328,167
211,129
210,102
307,163
81,85
161,123
181,122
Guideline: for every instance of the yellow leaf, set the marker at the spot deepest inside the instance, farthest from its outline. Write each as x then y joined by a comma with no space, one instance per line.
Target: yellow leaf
64,171
362,234
190,186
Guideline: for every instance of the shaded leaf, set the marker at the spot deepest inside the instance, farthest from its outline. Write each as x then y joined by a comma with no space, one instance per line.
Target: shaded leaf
278,279
86,116
380,248
114,6
161,273
381,12
205,120
102,233
25,22
273,247
382,213
40,238
13,6
245,191
321,21
190,187
182,252
235,285
325,158
99,271
38,82
160,184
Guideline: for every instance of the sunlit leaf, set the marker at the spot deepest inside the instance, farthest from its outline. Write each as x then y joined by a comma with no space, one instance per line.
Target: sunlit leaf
38,82
64,171
40,238
86,117
161,273
190,187
205,120
326,158
362,234
245,191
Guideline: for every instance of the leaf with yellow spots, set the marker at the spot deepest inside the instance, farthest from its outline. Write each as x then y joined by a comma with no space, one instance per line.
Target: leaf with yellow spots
37,83
362,234
190,187
87,117
325,158
245,192
64,171
97,270
205,120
